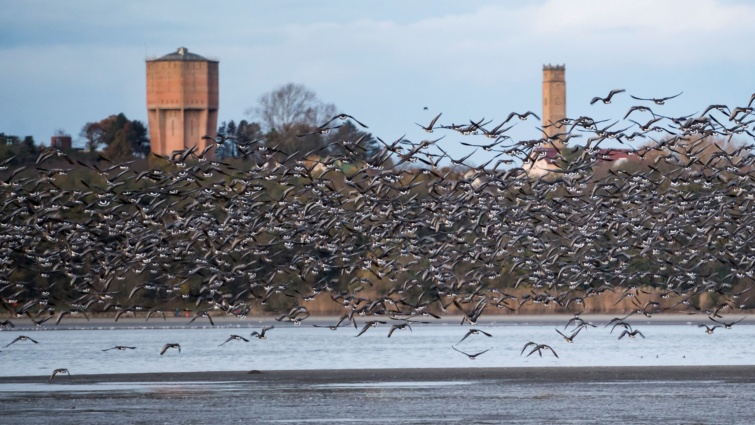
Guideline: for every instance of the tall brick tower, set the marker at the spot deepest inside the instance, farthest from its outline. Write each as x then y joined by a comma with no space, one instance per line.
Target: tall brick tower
182,101
554,97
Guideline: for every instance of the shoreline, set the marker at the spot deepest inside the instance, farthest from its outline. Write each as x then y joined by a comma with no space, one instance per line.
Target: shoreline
73,323
737,373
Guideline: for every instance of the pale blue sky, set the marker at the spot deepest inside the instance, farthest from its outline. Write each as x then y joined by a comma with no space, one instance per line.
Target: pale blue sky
64,63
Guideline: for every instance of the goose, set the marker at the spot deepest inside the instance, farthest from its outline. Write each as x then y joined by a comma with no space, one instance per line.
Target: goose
631,334
429,127
170,345
339,324
57,371
343,117
727,325
539,348
203,313
120,348
569,338
370,324
235,338
659,100
607,99
400,326
472,356
22,338
261,334
474,332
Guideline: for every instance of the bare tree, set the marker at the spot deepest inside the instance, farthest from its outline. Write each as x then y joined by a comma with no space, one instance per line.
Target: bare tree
290,106
292,114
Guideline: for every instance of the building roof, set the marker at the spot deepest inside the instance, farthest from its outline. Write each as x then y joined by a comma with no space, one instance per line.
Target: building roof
552,155
182,54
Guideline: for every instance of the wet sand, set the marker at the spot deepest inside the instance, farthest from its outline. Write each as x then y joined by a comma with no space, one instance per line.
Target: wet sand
557,375
637,395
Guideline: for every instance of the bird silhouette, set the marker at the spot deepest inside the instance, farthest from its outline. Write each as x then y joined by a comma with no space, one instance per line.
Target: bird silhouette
399,326
631,334
471,356
21,338
168,346
608,98
203,313
368,325
429,128
727,325
235,338
658,100
473,332
537,348
569,338
343,117
261,334
120,348
58,371
708,329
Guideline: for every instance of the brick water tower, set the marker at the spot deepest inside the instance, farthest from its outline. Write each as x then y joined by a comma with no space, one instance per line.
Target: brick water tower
554,98
182,101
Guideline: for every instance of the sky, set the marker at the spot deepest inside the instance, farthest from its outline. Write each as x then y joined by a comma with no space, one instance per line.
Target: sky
66,63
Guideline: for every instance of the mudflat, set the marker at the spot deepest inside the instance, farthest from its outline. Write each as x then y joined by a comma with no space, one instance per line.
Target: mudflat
557,375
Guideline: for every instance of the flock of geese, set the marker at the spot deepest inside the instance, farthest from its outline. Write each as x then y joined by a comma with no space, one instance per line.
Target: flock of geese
404,235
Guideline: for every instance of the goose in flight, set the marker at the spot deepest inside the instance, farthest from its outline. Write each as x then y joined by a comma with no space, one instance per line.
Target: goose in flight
203,313
155,311
429,127
539,348
657,100
340,323
370,324
295,315
235,338
400,326
38,322
631,334
472,356
522,117
473,332
727,325
170,345
569,338
57,371
343,117
22,338
120,348
261,334
70,312
708,329
606,100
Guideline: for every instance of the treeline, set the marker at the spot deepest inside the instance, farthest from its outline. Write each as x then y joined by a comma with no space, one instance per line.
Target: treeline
269,232
308,207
